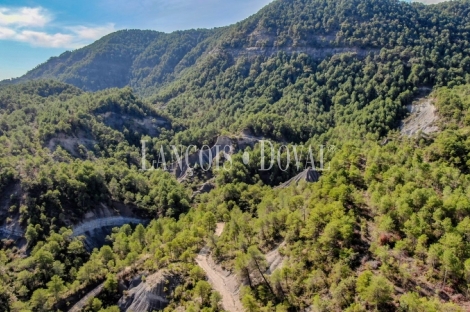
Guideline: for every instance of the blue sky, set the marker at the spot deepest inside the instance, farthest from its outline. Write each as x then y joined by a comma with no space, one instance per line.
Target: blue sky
31,31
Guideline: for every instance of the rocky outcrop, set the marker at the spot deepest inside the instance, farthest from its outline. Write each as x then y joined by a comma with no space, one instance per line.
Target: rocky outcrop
11,233
309,175
146,126
151,295
10,227
76,145
317,53
204,188
202,157
274,259
423,118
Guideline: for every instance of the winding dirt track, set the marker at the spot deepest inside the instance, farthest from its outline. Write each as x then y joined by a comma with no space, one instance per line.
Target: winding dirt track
97,290
80,304
222,281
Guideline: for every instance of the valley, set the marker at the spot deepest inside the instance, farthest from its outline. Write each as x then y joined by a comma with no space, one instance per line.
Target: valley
372,215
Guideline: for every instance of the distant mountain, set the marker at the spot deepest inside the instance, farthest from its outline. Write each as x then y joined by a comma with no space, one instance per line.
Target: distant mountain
384,227
290,72
125,58
146,60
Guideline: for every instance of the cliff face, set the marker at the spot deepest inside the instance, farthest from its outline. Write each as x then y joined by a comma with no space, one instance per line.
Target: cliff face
314,52
150,295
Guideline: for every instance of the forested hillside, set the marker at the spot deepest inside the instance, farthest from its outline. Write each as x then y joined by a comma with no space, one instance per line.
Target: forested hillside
68,152
318,63
431,36
269,73
137,58
386,228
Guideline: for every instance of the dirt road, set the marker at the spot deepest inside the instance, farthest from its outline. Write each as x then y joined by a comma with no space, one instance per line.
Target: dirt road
92,294
97,290
222,281
274,259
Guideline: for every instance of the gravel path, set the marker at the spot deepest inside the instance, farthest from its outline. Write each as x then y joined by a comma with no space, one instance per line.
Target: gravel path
80,304
97,290
222,281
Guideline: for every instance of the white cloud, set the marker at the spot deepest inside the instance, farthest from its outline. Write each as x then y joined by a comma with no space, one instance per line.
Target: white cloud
92,33
42,39
24,16
32,25
6,33
430,1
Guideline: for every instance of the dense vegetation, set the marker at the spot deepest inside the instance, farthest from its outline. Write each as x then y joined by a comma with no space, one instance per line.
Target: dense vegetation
387,228
401,49
433,39
98,165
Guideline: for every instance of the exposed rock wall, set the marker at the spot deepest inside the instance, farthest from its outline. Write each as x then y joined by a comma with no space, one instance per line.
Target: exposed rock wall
309,175
423,117
71,143
150,295
147,126
317,53
10,233
206,156
201,157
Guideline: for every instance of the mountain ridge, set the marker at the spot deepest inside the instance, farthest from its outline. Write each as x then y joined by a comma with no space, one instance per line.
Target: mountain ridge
146,60
385,227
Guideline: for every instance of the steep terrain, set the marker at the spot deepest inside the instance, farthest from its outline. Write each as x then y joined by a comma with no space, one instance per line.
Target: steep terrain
151,294
290,72
385,229
222,281
136,58
422,118
146,60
